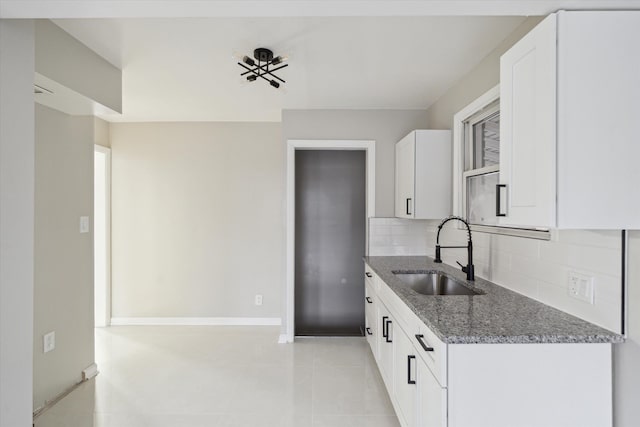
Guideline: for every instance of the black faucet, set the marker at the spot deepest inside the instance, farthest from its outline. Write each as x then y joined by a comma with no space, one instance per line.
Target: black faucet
469,268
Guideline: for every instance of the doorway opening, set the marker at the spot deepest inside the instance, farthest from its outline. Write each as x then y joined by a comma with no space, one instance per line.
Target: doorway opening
102,235
314,240
330,231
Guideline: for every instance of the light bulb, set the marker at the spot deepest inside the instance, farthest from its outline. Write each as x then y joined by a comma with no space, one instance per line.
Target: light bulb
250,62
238,56
280,59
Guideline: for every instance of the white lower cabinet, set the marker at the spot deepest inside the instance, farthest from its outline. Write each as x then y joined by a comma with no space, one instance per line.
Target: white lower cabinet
433,384
419,398
404,378
432,398
385,344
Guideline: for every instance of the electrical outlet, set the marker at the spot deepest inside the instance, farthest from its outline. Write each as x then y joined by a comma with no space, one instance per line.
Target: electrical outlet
581,287
258,299
84,224
49,341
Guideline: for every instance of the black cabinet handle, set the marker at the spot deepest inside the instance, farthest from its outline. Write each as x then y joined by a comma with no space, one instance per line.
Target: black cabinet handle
420,337
369,300
369,331
384,326
498,187
368,274
388,337
409,380
408,200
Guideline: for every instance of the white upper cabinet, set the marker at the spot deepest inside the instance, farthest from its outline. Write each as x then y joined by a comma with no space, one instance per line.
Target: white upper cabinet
423,175
569,100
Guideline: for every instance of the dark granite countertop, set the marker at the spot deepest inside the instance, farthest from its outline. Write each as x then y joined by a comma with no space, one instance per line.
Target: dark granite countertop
498,316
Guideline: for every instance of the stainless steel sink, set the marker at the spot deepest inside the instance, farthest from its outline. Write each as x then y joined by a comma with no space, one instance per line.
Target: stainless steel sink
433,282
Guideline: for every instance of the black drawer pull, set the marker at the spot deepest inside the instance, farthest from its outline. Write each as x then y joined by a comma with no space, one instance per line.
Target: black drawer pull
420,337
408,201
368,274
369,300
409,380
369,331
498,204
388,337
384,326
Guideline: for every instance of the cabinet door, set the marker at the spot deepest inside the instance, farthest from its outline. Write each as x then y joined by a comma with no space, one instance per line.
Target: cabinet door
528,129
432,169
598,110
432,399
405,176
405,378
385,345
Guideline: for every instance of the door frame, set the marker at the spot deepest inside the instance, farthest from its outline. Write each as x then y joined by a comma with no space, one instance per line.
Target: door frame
107,291
369,147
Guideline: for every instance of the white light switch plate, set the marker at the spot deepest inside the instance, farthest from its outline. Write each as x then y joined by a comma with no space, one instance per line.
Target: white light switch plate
258,299
581,286
49,342
84,224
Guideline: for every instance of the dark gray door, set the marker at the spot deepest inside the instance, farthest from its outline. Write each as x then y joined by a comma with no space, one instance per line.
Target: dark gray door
330,242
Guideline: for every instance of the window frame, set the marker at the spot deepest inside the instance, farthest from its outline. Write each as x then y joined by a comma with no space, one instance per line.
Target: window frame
482,104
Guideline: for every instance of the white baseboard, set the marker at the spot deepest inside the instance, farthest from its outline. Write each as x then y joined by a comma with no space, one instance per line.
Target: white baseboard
195,321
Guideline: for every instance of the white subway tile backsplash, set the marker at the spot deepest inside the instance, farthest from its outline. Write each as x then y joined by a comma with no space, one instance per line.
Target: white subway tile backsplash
600,238
602,313
397,237
603,260
499,260
516,245
481,240
536,268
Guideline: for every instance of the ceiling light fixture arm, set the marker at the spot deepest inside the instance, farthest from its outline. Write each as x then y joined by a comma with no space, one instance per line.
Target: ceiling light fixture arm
267,71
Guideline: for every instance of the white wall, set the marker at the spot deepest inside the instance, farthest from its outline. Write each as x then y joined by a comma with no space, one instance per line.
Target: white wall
385,127
65,60
101,134
197,219
483,77
63,294
16,221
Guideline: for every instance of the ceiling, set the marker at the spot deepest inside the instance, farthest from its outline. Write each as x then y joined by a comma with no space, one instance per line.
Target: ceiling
182,69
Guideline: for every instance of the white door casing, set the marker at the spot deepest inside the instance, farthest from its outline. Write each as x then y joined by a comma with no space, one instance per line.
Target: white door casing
297,144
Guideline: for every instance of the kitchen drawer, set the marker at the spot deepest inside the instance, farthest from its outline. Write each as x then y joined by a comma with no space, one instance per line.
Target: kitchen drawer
370,298
436,359
371,278
371,332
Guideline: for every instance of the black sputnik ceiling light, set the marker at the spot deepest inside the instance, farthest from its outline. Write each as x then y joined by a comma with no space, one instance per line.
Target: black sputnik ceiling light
262,66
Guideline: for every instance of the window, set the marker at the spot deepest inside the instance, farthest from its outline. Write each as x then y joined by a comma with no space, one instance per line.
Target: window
477,166
482,163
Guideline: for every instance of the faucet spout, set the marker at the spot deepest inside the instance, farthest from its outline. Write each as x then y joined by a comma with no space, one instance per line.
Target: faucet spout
469,268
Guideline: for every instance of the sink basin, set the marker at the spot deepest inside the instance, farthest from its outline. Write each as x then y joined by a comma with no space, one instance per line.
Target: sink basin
433,283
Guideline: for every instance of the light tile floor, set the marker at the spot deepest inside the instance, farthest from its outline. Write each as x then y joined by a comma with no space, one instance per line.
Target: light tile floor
225,376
